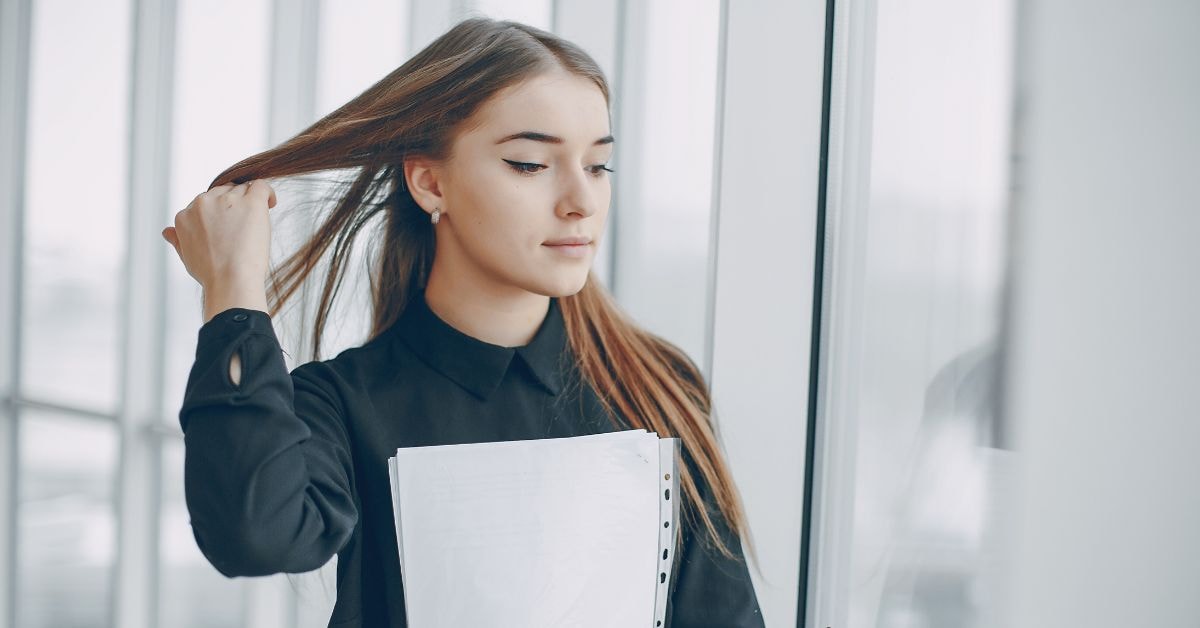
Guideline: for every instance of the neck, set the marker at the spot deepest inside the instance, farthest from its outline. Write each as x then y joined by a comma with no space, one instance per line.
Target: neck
504,316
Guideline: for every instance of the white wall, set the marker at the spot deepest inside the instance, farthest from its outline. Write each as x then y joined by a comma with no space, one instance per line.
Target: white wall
1105,359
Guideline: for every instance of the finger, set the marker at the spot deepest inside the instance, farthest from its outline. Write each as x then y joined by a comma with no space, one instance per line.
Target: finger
234,192
260,190
171,237
210,195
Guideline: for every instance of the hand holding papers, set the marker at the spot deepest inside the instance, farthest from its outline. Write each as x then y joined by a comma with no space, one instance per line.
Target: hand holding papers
564,532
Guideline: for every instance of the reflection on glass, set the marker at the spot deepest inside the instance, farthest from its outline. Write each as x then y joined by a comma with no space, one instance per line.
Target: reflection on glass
75,200
193,593
664,169
938,548
211,132
930,461
66,523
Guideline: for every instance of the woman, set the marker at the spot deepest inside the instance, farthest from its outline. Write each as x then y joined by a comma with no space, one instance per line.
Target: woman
482,163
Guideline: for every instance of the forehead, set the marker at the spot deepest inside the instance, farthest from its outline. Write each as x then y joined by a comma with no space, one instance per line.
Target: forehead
556,103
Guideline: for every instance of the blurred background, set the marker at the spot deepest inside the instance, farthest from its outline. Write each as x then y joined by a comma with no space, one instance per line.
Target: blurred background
937,259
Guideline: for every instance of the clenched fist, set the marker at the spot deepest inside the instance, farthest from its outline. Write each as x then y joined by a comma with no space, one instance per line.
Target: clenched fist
223,238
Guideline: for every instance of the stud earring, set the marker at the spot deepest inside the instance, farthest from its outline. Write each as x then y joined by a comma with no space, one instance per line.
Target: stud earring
435,216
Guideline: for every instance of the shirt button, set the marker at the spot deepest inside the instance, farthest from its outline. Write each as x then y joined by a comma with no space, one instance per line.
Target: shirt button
239,317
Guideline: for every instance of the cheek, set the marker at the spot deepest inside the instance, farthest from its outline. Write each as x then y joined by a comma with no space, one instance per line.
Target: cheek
505,216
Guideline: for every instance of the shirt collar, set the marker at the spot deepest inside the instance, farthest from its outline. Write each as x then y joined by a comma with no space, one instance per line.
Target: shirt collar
480,366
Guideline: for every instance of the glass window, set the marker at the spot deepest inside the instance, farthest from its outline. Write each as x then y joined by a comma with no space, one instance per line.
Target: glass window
75,218
66,522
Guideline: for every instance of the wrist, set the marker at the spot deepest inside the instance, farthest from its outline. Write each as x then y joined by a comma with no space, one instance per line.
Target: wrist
220,298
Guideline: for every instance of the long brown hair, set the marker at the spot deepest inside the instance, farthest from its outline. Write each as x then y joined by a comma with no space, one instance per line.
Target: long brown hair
415,111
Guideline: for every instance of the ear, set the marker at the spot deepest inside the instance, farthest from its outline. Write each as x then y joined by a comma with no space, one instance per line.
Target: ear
421,175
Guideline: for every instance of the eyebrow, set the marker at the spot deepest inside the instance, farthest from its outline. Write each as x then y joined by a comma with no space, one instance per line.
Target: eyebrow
549,139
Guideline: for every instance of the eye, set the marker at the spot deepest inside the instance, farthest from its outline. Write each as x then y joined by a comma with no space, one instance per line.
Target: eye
600,169
524,167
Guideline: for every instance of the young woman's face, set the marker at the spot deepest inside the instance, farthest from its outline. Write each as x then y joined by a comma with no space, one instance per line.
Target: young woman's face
509,200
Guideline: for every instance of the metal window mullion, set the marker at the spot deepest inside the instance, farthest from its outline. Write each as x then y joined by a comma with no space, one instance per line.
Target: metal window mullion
142,333
291,107
849,148
271,602
628,121
15,25
292,100
714,212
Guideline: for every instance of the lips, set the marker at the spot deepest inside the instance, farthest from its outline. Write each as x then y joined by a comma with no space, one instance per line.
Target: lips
568,241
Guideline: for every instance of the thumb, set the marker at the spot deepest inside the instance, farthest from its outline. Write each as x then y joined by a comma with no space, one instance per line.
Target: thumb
170,236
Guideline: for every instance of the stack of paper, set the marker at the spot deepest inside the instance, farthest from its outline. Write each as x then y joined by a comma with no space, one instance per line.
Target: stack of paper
564,532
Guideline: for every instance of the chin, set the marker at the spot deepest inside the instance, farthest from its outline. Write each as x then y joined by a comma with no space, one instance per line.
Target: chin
563,286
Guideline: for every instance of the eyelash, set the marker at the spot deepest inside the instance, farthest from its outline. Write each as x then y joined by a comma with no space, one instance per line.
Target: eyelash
527,168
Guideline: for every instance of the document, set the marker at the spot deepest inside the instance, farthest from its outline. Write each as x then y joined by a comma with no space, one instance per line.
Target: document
573,532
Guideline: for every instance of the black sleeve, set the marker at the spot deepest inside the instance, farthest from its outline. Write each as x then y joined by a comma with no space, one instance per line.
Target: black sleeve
267,470
711,590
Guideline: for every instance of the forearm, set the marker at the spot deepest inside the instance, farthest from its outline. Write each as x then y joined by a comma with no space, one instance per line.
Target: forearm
233,293
265,494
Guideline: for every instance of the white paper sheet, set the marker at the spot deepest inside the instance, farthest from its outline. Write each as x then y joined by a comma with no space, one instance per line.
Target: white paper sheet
562,532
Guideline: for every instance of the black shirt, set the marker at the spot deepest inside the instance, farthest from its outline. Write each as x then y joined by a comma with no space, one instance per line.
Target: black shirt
283,470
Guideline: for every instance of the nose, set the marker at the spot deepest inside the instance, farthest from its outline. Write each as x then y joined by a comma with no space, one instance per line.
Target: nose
578,195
